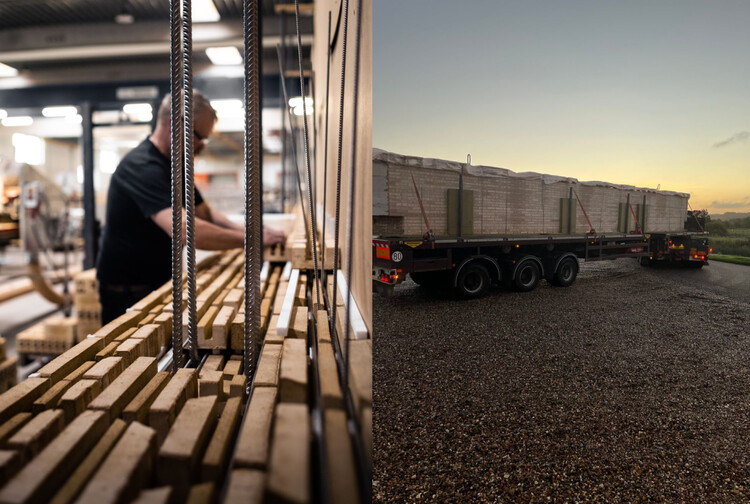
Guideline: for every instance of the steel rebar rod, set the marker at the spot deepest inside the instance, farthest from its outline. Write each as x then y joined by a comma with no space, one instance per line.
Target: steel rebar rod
310,206
325,156
177,174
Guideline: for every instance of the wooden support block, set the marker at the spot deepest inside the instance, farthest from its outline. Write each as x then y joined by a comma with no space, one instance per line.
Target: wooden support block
253,441
108,351
35,434
77,397
323,326
360,373
210,384
50,398
126,470
220,329
245,487
169,403
293,374
124,335
182,450
267,374
119,325
330,387
39,479
213,363
21,397
137,409
216,456
67,362
131,349
201,494
232,368
10,463
125,387
12,426
238,386
342,475
105,371
90,464
289,463
298,328
161,495
150,334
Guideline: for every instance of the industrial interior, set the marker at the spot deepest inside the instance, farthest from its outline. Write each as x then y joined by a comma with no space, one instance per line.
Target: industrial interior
260,389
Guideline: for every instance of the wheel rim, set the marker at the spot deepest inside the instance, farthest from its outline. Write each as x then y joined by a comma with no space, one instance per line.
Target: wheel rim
473,282
566,272
527,275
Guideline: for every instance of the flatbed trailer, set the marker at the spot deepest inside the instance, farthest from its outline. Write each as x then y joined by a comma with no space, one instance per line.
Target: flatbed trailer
471,265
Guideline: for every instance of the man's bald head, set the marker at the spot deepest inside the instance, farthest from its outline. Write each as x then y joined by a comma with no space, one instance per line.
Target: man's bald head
200,104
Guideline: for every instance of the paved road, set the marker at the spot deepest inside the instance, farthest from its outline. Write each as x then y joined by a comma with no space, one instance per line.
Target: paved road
725,279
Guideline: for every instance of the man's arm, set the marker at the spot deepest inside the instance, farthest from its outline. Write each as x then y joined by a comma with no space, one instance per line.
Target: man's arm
207,213
208,236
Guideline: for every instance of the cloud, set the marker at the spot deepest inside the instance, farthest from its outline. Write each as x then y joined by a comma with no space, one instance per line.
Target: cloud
742,136
745,202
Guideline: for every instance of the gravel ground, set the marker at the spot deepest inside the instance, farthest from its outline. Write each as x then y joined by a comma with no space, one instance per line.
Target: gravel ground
626,387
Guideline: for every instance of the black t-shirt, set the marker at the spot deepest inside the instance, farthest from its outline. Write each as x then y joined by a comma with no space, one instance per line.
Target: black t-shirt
135,251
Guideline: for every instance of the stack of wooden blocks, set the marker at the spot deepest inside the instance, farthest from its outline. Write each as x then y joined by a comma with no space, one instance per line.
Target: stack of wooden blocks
7,368
100,423
51,336
86,302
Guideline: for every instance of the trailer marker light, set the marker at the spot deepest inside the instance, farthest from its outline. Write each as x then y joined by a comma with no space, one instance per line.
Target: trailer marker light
517,245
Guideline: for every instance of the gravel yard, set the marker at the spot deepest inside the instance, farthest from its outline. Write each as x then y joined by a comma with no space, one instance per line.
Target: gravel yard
629,386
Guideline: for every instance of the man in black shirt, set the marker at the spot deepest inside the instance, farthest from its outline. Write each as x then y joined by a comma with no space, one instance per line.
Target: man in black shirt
136,253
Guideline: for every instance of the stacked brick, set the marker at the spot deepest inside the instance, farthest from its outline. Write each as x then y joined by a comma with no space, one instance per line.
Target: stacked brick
51,336
86,302
7,368
505,202
101,423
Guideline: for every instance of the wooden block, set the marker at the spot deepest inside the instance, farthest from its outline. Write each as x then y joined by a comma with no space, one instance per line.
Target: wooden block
238,386
35,434
90,464
105,371
298,328
289,462
245,487
342,475
267,374
330,387
124,335
210,384
232,368
220,329
167,405
181,452
161,495
131,349
216,456
21,397
125,387
201,494
212,363
126,470
10,463
12,426
67,362
119,325
77,397
108,351
39,479
360,373
293,373
150,334
50,398
253,441
137,409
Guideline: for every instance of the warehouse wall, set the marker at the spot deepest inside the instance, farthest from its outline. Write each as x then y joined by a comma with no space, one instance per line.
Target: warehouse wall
362,253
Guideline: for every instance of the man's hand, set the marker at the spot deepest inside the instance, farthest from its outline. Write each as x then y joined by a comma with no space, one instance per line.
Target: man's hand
272,237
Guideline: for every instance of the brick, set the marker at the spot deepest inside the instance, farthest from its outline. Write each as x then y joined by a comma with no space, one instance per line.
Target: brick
119,325
166,407
342,476
234,298
40,478
51,398
67,362
253,440
360,373
126,470
210,384
216,457
150,334
181,451
137,409
298,329
161,495
107,351
35,434
131,349
289,462
212,363
12,426
90,464
20,398
220,329
201,494
165,322
366,429
122,337
232,368
293,373
238,386
77,397
105,371
245,487
125,387
10,463
267,374
330,387
323,327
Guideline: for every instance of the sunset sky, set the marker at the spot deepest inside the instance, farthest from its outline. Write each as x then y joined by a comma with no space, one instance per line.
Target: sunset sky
647,93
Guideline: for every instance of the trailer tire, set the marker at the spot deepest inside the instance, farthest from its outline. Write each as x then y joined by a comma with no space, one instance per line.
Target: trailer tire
566,273
473,281
527,276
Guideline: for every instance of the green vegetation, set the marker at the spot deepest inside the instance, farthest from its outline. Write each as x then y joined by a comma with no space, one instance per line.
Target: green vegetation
734,259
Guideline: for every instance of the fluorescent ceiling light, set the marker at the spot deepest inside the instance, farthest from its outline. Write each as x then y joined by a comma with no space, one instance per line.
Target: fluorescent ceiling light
204,11
137,108
59,111
297,102
7,71
224,55
74,119
228,108
298,111
144,117
18,121
3,114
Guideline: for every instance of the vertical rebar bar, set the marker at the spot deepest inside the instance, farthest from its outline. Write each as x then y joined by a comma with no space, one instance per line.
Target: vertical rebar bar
325,158
177,174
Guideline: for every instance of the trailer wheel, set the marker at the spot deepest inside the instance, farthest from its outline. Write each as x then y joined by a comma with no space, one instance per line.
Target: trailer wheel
473,281
527,276
566,272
